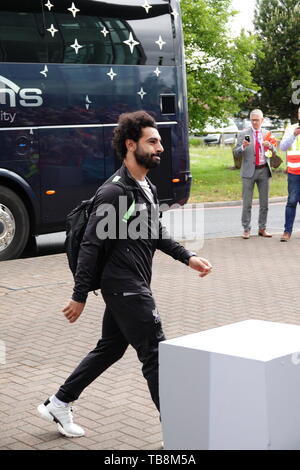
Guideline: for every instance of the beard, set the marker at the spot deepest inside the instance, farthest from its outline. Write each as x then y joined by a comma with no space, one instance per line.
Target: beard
147,160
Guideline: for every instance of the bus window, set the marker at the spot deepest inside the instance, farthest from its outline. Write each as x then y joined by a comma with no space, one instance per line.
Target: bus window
123,35
105,35
22,27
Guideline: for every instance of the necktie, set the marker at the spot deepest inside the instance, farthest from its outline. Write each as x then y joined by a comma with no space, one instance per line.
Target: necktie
257,149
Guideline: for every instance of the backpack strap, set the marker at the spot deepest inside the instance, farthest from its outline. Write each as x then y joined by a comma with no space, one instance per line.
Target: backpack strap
129,193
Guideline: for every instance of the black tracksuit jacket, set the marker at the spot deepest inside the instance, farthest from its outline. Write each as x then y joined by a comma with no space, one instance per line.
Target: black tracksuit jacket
129,264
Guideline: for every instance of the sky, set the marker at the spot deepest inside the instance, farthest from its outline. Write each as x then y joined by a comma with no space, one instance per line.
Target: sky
245,16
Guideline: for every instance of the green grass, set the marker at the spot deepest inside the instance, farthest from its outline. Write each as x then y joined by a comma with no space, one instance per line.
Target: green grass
216,179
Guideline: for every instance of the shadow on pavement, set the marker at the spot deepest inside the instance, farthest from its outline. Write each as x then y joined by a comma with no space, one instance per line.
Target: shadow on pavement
44,245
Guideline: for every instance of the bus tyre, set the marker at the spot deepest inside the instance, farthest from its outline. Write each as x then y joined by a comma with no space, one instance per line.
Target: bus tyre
14,224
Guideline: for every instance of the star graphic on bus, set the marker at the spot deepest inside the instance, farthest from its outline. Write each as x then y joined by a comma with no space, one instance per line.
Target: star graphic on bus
76,46
157,72
49,5
52,30
112,74
104,31
146,6
73,10
87,102
131,42
160,42
142,93
45,71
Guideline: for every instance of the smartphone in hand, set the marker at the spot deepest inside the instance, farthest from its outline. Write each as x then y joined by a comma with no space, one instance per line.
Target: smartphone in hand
247,137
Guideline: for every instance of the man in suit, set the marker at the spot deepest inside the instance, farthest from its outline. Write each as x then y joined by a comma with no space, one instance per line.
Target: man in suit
252,147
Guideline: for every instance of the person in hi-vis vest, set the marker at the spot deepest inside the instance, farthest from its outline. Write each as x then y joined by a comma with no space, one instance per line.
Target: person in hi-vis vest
291,145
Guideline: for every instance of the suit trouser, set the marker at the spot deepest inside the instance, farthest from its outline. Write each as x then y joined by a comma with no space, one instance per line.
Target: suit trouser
133,320
261,177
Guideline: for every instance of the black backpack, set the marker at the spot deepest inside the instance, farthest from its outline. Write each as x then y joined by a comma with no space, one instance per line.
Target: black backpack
76,222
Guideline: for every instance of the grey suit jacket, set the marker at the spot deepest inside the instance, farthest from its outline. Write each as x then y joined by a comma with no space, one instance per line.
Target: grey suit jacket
248,155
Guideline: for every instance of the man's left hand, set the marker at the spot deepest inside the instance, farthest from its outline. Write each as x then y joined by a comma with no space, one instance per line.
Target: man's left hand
201,265
73,310
267,144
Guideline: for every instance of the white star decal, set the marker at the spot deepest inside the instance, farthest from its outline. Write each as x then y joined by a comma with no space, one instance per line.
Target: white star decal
142,93
146,6
157,72
112,74
160,42
87,102
45,71
49,5
104,32
175,14
52,30
76,46
73,10
131,42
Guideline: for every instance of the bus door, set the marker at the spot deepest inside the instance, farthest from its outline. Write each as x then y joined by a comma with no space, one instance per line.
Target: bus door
72,167
162,175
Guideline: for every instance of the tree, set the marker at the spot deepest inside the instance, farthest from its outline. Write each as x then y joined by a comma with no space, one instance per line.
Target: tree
277,72
218,67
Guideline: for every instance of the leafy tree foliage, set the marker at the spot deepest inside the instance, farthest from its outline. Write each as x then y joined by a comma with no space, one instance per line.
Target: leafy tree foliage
218,66
277,72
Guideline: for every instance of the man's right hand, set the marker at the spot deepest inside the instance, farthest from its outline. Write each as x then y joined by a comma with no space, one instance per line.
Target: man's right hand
297,131
73,310
245,144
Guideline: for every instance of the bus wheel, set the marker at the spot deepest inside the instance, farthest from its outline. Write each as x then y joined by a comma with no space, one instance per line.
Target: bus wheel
14,225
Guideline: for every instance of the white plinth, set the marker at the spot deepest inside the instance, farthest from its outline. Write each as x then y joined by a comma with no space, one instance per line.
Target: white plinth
234,387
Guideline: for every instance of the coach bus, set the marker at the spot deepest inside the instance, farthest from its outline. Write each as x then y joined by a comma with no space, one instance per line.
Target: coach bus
68,69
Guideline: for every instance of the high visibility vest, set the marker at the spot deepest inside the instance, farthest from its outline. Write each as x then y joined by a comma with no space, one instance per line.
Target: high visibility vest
293,157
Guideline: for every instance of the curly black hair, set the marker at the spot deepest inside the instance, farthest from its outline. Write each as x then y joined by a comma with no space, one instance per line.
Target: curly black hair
130,126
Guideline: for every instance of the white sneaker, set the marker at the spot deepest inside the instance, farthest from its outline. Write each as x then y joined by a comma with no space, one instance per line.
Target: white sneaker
62,415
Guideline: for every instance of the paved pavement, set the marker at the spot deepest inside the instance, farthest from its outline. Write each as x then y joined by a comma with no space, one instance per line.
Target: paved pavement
257,278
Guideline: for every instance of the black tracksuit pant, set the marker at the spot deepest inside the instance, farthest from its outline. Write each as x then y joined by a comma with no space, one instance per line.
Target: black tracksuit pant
130,319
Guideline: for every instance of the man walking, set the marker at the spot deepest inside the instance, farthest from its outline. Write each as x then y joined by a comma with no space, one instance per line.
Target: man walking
131,316
252,147
291,144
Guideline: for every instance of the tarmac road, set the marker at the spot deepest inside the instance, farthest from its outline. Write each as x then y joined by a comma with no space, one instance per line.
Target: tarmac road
212,221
